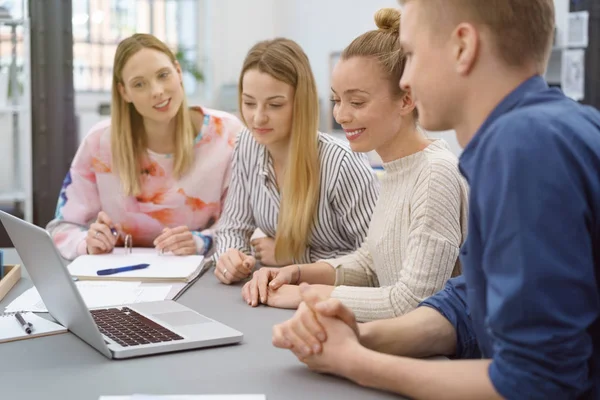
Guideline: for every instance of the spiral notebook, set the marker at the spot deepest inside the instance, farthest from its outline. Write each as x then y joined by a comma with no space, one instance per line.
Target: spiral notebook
11,330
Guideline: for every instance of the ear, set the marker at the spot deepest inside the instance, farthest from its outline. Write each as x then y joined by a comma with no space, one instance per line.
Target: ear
407,104
178,69
123,93
466,43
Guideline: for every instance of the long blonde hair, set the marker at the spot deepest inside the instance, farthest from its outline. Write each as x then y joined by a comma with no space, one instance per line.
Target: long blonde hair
128,139
285,61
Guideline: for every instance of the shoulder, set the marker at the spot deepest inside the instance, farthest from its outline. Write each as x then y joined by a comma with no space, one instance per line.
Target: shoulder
225,123
98,136
440,172
335,153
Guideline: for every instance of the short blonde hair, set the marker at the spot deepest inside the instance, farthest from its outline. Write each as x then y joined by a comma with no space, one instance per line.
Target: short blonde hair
128,139
285,61
523,30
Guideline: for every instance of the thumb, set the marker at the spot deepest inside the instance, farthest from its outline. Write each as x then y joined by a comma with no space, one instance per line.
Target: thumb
277,281
310,296
335,309
248,261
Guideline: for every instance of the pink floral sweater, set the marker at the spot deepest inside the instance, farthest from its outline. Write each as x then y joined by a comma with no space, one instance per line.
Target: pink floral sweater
194,200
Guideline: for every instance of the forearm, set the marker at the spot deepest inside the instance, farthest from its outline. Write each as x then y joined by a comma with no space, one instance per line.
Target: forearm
316,273
421,379
69,238
421,333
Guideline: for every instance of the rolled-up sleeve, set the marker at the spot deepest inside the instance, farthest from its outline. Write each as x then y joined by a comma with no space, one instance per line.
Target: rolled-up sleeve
451,302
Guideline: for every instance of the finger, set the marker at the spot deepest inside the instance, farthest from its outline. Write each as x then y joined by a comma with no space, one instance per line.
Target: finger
281,279
246,292
309,321
298,346
335,308
297,325
262,282
233,264
176,241
254,290
310,296
103,218
96,245
249,262
102,233
256,242
278,339
219,274
186,248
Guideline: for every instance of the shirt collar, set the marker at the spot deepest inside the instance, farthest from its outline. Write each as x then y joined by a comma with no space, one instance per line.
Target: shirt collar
533,84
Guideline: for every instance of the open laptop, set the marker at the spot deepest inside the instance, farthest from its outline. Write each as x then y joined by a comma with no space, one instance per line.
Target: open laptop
118,332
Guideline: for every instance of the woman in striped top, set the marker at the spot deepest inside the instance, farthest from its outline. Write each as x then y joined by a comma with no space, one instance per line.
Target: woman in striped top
309,193
419,223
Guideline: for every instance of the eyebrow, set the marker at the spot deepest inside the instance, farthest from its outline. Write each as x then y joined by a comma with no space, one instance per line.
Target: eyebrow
141,77
352,91
269,98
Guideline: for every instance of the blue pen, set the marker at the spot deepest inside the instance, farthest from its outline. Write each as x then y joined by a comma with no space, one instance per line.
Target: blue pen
111,271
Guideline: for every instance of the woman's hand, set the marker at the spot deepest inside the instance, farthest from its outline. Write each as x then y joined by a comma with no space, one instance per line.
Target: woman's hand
266,280
102,235
179,241
264,252
233,266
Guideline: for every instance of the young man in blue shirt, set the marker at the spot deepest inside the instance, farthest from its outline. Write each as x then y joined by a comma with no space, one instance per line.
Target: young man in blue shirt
524,319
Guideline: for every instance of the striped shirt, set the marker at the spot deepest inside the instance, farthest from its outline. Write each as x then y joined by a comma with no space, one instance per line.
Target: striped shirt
349,191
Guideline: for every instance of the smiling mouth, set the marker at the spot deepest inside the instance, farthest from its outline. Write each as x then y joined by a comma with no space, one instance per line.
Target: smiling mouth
353,135
163,104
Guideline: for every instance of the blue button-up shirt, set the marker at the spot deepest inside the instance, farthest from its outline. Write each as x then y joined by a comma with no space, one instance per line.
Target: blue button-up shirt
529,297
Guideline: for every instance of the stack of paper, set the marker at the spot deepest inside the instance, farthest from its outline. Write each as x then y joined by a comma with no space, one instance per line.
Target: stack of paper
97,294
163,267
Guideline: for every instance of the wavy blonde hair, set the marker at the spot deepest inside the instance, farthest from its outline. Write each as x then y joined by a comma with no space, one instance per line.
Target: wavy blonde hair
284,60
127,137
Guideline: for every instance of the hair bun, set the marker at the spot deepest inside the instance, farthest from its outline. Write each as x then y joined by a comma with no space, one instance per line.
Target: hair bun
388,20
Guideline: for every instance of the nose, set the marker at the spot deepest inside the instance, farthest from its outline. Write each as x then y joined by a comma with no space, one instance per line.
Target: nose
405,82
260,117
341,114
157,90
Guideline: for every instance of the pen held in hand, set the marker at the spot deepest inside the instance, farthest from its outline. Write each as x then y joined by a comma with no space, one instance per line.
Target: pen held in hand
112,271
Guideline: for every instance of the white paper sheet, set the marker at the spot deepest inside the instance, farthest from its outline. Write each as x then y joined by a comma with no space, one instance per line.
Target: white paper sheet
165,266
97,294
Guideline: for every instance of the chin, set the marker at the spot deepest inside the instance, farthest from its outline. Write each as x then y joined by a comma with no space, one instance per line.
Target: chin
359,147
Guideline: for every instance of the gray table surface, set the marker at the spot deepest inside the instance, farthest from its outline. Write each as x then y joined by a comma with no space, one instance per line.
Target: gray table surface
64,367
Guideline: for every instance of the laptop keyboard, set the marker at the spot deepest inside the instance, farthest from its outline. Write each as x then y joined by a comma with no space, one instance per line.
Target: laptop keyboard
129,328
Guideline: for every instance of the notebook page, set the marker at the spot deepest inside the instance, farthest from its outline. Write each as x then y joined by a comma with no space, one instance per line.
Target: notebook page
11,330
166,266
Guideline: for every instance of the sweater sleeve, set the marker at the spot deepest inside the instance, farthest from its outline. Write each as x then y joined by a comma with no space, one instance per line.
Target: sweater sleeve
231,127
78,201
355,269
434,237
236,224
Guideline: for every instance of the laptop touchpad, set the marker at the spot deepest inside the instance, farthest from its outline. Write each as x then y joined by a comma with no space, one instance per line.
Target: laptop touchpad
181,318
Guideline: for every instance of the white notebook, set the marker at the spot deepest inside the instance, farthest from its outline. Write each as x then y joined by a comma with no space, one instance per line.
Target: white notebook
11,330
163,267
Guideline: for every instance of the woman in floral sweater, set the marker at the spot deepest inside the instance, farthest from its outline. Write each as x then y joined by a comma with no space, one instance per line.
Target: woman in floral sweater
157,170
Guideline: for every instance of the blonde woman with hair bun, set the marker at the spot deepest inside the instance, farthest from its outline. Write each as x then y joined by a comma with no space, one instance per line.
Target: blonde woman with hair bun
307,192
420,219
157,170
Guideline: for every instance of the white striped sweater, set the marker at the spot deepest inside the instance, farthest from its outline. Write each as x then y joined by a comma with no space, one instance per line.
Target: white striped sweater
349,191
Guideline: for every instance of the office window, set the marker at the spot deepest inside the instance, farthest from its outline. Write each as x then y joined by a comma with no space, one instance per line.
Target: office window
99,25
11,39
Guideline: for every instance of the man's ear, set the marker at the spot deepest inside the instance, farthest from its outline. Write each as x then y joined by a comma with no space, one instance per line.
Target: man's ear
407,105
123,93
466,42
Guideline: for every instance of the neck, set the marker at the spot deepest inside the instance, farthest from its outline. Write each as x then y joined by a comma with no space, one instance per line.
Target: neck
160,136
279,153
482,101
406,142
